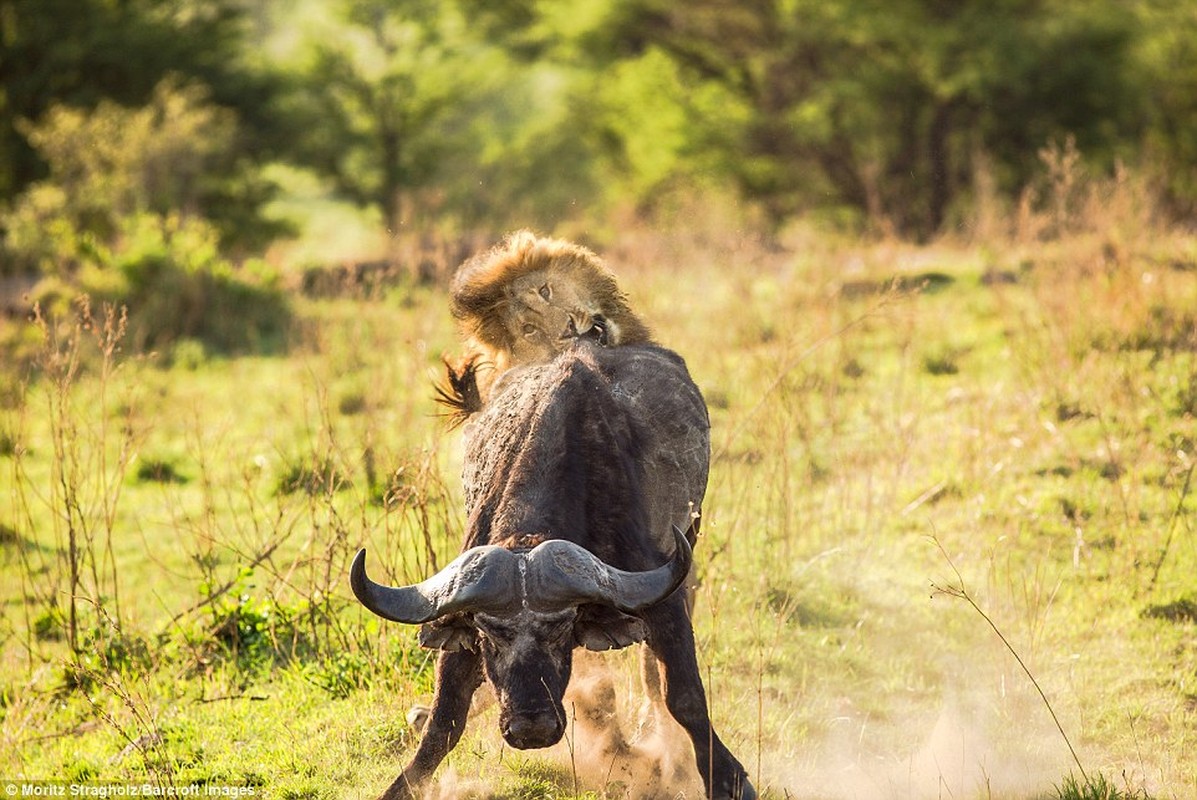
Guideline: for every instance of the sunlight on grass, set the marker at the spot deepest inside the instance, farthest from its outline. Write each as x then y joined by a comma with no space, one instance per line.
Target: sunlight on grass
1039,425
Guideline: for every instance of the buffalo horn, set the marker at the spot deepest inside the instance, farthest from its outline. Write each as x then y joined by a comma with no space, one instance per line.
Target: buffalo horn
481,577
553,575
562,574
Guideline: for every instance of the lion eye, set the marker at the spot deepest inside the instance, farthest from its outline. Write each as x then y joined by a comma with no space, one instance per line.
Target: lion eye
529,329
546,291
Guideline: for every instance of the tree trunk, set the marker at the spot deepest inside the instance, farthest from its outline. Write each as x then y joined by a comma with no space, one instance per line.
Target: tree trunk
939,159
392,176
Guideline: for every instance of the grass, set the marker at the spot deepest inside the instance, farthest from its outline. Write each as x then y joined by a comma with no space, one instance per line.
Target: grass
1040,427
1098,788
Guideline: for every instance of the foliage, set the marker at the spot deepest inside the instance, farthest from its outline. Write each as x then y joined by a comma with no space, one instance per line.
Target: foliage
387,98
1166,57
459,114
177,286
138,210
1096,788
901,115
176,155
78,53
885,105
169,274
452,116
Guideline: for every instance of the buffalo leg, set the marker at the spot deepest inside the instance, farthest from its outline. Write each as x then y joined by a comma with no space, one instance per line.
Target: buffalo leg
671,640
458,675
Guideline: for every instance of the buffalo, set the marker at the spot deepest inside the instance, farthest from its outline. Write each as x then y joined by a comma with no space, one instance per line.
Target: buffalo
583,479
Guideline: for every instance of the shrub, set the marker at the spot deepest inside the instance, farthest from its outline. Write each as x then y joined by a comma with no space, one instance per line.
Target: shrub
170,275
139,209
156,470
1097,787
177,153
177,286
319,476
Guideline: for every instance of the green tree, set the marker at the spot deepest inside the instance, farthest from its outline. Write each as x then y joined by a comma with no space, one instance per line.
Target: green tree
385,93
80,52
881,104
127,214
575,132
177,154
1167,58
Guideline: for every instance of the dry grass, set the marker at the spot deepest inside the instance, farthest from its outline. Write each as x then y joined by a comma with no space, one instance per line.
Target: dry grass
1027,399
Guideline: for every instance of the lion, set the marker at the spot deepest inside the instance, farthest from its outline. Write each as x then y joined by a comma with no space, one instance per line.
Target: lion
522,302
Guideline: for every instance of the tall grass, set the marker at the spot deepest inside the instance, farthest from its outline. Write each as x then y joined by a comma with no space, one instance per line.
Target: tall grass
178,535
80,589
214,568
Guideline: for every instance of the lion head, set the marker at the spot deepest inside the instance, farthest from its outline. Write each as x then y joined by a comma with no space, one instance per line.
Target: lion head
522,302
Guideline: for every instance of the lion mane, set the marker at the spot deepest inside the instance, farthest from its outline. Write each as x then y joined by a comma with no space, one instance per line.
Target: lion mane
522,302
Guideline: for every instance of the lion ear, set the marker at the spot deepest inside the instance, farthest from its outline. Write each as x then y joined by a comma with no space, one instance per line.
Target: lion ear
601,628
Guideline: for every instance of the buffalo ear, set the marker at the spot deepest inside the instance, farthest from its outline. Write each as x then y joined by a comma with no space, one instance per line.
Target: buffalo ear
454,632
602,628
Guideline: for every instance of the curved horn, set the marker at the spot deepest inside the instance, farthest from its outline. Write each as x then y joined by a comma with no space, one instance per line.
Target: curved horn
561,573
481,576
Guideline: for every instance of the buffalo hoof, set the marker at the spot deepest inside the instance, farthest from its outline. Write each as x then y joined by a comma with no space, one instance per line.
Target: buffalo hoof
739,789
417,718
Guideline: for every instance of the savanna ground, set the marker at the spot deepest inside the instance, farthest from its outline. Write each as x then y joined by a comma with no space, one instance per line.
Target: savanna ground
892,426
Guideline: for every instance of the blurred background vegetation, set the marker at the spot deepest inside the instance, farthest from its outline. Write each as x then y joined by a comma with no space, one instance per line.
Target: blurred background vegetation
933,262
171,148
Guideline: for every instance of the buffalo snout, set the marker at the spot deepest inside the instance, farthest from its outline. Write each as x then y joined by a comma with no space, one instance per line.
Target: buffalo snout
533,730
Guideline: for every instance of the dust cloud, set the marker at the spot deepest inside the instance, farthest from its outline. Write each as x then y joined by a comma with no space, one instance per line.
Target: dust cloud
620,746
949,755
626,754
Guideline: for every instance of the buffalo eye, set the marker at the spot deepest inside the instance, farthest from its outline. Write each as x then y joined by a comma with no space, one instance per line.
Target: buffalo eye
497,633
558,626
563,629
546,292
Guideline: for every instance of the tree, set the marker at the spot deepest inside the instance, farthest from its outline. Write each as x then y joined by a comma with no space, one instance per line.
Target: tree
1167,60
132,212
176,154
80,52
881,104
381,90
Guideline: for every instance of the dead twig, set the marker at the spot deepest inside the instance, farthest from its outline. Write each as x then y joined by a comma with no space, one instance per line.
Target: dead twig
218,592
960,592
1176,516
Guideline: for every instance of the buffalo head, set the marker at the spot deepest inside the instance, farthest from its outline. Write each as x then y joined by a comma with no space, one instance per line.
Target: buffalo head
524,612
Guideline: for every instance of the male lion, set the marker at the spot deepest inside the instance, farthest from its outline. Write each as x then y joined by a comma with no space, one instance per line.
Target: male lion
522,302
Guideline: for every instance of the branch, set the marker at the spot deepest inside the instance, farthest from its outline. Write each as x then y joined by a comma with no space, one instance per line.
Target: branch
217,593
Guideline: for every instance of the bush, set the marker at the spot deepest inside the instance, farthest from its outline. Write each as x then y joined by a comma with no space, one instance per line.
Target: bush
170,274
1097,787
177,153
139,210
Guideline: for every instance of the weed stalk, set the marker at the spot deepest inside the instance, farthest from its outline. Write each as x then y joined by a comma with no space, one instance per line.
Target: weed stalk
960,592
1177,513
85,483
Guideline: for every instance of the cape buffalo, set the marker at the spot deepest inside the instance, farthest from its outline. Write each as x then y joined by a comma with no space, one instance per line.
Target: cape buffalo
580,476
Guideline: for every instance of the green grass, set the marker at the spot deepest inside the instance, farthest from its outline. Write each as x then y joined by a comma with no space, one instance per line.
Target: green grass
1040,428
